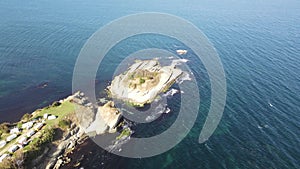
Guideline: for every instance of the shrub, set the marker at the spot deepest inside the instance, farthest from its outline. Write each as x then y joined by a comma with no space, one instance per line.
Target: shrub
37,146
125,133
8,163
26,117
4,127
142,80
56,103
65,123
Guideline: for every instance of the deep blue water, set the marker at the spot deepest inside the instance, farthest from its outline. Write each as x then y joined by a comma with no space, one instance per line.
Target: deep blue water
258,43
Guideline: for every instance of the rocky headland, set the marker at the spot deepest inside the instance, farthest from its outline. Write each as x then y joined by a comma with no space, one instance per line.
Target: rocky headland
77,118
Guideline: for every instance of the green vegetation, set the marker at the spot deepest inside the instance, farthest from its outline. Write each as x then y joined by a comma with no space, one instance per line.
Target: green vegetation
4,127
142,80
61,112
131,76
19,125
4,130
64,123
26,117
131,104
140,77
9,163
64,113
56,103
125,133
37,146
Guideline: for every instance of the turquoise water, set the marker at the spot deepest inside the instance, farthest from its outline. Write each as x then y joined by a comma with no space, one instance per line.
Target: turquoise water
258,43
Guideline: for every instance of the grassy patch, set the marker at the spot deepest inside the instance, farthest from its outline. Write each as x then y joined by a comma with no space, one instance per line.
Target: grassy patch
142,80
37,146
61,112
46,135
64,123
125,133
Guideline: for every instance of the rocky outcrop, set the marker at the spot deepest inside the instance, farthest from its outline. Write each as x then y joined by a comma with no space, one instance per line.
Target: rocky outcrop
85,111
94,119
106,119
71,139
181,52
143,81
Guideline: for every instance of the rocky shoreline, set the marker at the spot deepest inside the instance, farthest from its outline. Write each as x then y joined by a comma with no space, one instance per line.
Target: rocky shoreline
56,153
143,81
139,85
95,120
72,139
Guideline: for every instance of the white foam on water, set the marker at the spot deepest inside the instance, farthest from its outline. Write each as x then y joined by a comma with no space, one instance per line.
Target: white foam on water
168,110
171,92
184,77
179,61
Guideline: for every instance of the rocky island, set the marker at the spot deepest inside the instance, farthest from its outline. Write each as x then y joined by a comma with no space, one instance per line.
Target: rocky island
143,81
139,85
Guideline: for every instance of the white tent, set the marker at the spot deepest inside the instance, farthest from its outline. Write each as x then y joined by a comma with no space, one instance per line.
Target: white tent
52,117
45,116
22,140
27,125
11,137
13,148
2,143
30,133
38,126
14,130
3,157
